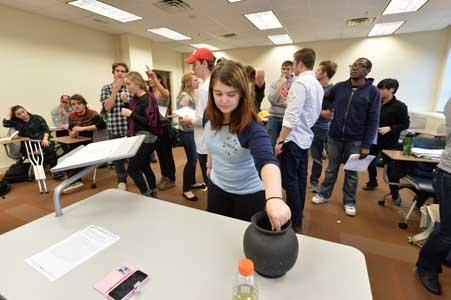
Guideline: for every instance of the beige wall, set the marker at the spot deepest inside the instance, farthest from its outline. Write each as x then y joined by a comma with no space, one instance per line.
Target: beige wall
414,59
44,58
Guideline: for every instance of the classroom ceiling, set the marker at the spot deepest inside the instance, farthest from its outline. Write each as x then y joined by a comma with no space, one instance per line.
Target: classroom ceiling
208,20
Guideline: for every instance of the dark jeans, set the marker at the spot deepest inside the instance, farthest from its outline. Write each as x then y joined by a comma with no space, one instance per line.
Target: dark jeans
339,152
119,165
203,166
241,207
274,126
139,167
438,245
164,151
316,150
189,172
293,165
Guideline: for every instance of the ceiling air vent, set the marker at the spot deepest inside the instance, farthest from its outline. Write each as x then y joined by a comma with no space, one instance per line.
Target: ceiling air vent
360,21
173,6
228,36
100,21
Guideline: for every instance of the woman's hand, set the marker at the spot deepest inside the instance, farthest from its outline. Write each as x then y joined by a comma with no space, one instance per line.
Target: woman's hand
45,143
278,212
8,116
126,112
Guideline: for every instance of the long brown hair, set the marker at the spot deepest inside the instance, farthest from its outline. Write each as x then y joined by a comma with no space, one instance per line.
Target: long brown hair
16,108
185,85
232,74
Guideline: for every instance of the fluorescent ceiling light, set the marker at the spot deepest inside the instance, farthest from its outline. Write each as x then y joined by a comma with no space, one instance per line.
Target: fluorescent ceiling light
280,39
403,6
106,10
232,1
201,45
385,28
264,20
170,34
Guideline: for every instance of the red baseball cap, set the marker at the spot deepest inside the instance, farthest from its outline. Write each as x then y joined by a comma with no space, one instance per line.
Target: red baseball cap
65,98
201,53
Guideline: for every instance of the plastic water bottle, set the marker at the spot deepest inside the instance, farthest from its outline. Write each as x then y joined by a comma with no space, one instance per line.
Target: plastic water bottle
245,287
408,143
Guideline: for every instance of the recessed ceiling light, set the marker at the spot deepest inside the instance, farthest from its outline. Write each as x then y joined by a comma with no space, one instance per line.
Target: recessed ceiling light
403,6
202,45
106,10
385,28
264,20
170,34
280,39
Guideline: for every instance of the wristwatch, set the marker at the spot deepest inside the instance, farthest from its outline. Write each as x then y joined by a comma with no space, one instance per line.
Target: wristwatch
278,142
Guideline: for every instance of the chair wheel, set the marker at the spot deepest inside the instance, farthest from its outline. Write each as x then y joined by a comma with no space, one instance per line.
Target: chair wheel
93,185
403,225
381,202
410,240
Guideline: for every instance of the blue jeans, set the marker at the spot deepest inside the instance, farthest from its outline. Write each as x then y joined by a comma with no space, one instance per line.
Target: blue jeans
438,245
339,152
274,126
189,172
293,164
316,150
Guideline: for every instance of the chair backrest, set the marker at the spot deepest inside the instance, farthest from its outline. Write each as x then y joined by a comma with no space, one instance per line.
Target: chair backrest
14,148
100,135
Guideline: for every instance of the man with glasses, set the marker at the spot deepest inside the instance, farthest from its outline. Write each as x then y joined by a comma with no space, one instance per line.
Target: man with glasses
278,93
356,104
114,97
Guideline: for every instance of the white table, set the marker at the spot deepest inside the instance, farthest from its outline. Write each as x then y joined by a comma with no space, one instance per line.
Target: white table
190,254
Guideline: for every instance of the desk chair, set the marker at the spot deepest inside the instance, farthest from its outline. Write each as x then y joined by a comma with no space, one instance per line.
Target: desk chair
430,215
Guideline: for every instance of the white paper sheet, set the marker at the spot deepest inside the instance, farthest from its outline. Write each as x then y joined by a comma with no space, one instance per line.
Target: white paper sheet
356,164
71,252
163,110
185,112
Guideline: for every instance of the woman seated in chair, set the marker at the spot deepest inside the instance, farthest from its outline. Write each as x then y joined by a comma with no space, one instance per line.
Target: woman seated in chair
82,122
35,128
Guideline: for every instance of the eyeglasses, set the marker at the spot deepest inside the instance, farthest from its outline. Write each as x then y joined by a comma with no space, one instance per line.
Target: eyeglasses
357,66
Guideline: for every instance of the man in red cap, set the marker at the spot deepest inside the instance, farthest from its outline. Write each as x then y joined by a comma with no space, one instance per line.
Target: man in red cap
203,62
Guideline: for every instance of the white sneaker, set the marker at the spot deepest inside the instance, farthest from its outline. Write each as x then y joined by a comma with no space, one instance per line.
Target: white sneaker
122,186
318,199
350,210
73,187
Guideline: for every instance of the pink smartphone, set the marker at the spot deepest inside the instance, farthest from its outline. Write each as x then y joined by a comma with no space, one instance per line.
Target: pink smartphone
122,283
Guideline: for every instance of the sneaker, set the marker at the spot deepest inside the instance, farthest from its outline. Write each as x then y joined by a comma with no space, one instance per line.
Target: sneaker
397,200
168,184
370,186
350,210
162,180
318,199
151,193
73,187
314,188
122,186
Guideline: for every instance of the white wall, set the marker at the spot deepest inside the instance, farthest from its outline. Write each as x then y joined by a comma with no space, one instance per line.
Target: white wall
414,59
43,58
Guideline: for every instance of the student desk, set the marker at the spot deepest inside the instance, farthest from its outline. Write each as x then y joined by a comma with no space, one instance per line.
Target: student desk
415,183
190,255
5,144
71,140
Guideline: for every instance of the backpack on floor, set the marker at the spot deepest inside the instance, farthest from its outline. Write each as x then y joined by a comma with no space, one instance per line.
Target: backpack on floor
17,172
4,189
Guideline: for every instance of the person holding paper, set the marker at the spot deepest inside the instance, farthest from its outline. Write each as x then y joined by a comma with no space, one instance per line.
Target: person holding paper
356,103
244,173
203,62
33,127
143,119
393,119
164,143
303,107
113,97
186,98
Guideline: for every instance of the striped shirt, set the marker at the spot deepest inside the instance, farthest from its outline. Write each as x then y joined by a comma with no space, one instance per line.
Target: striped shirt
90,117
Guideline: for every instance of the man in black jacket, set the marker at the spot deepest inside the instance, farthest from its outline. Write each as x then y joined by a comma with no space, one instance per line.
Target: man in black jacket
394,118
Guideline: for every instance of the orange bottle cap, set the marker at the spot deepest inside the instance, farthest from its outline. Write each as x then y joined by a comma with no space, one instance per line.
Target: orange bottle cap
246,267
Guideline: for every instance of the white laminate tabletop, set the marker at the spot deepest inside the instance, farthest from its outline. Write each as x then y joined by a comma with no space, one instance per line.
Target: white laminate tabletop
190,254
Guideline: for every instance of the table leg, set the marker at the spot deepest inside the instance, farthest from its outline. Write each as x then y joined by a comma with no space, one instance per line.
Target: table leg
59,189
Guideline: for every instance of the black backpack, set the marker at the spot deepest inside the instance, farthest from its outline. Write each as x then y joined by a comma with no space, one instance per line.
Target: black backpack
4,189
17,173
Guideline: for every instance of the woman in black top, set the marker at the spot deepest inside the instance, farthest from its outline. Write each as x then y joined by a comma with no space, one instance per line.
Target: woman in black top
143,119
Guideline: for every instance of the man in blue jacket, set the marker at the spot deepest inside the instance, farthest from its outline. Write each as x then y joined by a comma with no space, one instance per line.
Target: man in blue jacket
356,103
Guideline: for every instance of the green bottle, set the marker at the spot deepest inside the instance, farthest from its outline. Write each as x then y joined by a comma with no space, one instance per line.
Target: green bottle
407,143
